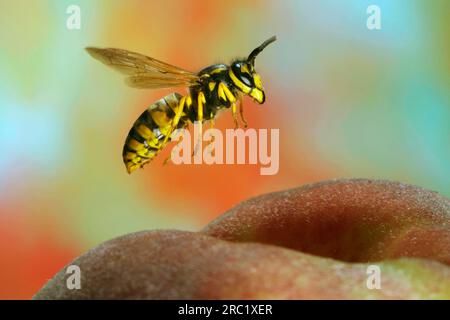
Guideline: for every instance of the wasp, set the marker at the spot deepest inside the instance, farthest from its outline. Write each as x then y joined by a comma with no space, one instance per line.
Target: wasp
214,88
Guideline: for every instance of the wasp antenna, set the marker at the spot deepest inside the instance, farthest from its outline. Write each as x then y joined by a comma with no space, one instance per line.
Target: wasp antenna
255,52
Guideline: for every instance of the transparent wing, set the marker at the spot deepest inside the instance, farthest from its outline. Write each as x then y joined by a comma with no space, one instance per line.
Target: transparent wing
143,71
150,81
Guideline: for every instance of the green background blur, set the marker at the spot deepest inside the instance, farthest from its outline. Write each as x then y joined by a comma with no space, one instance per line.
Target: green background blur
349,102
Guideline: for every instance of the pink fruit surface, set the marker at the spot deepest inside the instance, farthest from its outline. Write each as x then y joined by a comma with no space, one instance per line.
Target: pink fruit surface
348,220
313,242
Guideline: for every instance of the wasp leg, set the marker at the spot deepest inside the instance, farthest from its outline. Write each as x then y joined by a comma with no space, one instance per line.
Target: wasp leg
235,118
167,160
241,112
200,103
198,140
226,95
211,126
176,119
169,157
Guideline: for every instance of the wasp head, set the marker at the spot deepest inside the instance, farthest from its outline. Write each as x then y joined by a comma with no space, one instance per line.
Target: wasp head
245,77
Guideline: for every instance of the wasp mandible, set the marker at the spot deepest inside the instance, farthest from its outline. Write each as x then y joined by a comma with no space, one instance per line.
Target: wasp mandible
216,87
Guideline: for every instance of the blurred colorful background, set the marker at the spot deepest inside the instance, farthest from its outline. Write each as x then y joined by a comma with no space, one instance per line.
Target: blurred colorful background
349,102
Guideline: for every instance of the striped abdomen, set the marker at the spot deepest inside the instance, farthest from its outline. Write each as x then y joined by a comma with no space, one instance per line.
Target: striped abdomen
146,137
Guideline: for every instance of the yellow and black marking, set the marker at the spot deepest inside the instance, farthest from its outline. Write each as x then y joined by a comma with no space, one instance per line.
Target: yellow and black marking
146,138
214,88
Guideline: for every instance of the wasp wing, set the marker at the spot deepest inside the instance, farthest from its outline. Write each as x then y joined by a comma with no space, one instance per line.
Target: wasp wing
143,71
150,81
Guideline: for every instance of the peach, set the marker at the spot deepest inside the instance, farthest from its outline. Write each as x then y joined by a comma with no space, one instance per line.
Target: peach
350,220
313,242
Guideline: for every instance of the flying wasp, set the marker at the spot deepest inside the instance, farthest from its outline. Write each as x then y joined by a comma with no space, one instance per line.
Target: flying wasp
212,89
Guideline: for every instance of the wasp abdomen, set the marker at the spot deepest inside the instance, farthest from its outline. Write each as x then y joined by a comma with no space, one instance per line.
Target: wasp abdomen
148,135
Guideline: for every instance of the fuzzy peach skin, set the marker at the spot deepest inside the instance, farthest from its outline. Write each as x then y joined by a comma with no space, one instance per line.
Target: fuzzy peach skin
313,242
350,220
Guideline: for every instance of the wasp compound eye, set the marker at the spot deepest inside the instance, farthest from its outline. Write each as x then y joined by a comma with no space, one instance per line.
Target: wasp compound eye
246,79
